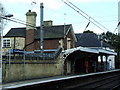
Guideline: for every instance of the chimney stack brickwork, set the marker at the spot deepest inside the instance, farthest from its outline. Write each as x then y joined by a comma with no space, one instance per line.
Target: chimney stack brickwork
30,20
48,23
30,30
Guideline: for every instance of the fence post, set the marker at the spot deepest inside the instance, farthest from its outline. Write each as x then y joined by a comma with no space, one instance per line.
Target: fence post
9,59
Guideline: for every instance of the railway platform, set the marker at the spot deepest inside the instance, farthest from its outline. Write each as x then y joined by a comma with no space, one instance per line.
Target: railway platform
108,80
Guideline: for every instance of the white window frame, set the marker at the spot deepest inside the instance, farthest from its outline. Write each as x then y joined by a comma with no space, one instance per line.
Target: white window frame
6,43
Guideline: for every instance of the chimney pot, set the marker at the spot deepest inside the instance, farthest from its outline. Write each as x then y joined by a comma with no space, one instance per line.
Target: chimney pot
29,11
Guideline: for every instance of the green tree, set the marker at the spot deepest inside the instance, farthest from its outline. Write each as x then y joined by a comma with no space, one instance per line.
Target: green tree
88,31
112,39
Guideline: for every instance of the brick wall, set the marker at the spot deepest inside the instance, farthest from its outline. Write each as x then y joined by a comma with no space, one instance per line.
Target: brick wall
30,40
54,43
48,44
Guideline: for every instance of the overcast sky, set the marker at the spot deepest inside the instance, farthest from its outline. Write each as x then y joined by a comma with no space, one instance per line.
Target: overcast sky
103,11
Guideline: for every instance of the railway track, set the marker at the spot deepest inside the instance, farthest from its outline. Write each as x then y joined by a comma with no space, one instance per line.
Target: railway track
108,83
117,87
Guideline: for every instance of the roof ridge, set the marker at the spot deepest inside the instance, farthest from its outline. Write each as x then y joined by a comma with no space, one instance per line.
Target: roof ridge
56,25
18,27
39,26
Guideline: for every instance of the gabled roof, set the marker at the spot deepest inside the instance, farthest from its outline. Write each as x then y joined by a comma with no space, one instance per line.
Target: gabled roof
50,32
90,40
16,32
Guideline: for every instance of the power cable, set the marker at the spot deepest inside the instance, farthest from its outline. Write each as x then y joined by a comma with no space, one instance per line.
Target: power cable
84,15
17,21
69,14
22,22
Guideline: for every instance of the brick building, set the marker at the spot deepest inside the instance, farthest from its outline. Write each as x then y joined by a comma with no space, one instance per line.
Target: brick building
28,38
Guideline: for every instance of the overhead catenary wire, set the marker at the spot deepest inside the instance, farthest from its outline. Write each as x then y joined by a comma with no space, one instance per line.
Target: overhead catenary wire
71,14
18,21
23,23
78,15
21,20
86,16
82,15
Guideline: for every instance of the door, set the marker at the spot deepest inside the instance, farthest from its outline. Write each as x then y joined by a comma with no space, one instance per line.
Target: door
68,67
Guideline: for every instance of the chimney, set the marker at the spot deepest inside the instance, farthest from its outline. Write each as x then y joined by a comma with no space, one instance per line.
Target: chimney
48,23
30,30
30,20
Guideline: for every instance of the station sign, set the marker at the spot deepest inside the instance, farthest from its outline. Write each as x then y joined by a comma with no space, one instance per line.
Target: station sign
17,51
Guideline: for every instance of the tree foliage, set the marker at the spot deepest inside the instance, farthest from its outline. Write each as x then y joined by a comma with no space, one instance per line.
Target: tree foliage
112,39
88,31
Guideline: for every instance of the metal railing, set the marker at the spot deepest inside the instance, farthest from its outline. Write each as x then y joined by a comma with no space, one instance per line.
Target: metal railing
33,56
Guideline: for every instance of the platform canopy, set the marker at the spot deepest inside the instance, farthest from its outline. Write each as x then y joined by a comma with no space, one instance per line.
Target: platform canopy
90,50
107,52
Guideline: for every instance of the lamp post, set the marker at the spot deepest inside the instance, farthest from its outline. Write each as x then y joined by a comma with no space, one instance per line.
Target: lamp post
41,28
1,37
1,57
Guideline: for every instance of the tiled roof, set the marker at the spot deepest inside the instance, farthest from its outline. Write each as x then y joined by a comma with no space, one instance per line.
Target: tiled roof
49,32
53,31
16,32
90,40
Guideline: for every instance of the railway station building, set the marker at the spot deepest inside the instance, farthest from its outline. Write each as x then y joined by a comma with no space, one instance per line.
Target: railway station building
64,51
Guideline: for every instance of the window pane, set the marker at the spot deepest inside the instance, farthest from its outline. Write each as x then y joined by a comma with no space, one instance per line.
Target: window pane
6,43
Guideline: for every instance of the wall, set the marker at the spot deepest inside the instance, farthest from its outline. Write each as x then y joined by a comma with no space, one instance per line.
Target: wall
55,43
69,35
51,44
29,43
19,43
48,44
32,69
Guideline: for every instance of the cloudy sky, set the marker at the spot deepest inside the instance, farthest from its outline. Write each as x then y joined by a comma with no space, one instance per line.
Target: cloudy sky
103,11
